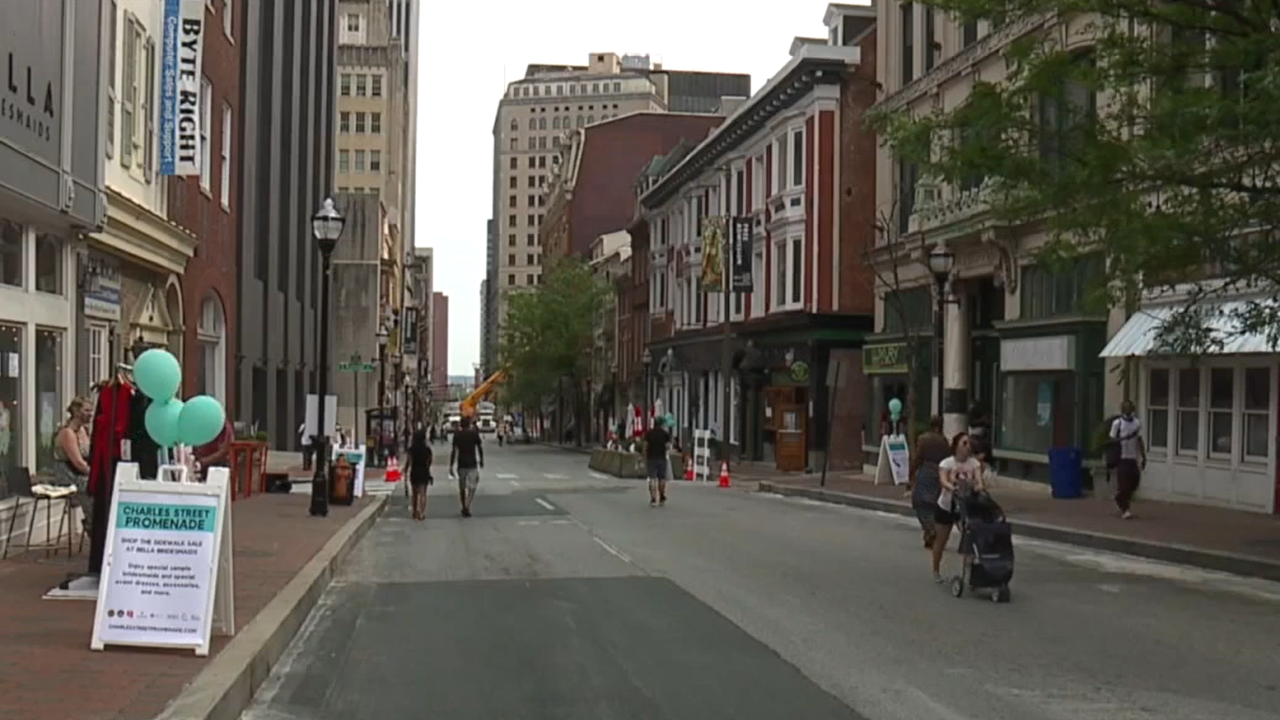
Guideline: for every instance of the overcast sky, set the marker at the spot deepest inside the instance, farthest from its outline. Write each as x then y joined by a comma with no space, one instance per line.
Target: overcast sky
469,51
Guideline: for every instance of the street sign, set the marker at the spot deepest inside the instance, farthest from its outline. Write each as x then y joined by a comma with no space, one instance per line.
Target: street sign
357,367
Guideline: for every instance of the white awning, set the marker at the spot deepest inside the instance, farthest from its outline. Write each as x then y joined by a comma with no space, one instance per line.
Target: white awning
1139,336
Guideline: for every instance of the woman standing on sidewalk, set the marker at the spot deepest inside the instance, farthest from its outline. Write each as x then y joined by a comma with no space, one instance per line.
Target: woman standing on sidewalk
931,449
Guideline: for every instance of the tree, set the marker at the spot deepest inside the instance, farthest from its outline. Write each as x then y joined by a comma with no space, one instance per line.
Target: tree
548,335
1142,130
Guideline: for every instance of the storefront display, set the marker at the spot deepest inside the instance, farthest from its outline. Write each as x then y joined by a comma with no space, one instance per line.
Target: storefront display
10,397
49,396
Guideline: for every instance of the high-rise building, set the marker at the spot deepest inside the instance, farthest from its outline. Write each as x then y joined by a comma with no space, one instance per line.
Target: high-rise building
439,343
532,118
286,170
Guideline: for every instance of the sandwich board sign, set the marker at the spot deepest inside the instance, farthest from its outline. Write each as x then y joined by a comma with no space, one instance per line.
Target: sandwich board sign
167,572
894,464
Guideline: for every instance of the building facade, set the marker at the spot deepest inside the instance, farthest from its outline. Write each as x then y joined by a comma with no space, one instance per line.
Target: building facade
530,125
208,205
796,167
592,187
286,171
52,194
439,345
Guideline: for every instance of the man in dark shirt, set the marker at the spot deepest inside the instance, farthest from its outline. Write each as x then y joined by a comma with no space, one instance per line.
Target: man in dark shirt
655,452
468,454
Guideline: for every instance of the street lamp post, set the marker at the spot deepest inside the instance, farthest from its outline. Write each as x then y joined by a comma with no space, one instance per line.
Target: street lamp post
647,360
941,263
326,225
395,401
383,336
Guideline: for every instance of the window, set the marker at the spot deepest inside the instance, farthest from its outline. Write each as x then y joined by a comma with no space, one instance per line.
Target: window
375,86
531,200
206,119
511,259
797,269
362,85
528,259
130,92
929,52
533,123
511,240
512,182
375,123
99,352
511,221
542,142
48,387
533,143
1055,292
532,162
780,165
375,161
354,22
779,274
1158,409
511,279
906,25
511,201
555,123
969,33
1065,117
344,122
360,161
1257,403
1221,406
344,84
344,161
529,240
757,279
148,111
360,123
542,161
1038,411
1189,412
211,334
542,123
513,163
617,87
797,158
111,79
226,18
513,144
226,157
908,173
757,182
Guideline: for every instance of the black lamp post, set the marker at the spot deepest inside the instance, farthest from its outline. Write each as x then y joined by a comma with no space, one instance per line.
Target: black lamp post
647,360
383,335
326,225
941,263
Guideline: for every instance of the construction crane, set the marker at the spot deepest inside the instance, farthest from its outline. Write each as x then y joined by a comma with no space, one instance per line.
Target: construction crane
482,391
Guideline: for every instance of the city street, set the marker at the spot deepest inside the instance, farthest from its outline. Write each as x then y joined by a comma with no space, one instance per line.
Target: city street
567,597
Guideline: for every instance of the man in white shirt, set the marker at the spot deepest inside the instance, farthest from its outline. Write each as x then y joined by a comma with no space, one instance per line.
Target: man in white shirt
1126,431
304,440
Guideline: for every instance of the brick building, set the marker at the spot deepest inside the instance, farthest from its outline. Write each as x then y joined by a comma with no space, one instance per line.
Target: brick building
795,162
207,205
592,189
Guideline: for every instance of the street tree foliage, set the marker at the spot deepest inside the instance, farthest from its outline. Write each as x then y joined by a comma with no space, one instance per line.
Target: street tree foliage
548,334
1145,130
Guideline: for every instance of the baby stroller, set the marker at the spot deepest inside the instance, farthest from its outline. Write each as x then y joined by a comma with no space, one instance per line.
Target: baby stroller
986,547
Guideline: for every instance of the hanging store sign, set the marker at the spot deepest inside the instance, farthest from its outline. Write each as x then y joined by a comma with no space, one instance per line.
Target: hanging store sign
180,90
740,255
888,359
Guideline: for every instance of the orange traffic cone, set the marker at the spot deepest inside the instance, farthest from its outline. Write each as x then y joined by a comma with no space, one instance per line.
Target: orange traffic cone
724,474
688,468
393,470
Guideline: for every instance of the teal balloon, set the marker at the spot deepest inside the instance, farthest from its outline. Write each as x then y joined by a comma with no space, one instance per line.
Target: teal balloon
669,420
157,374
201,420
161,421
895,408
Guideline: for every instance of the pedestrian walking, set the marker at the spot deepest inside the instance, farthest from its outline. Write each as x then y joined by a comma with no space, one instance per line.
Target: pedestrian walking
931,449
655,452
1127,455
957,474
308,452
419,466
467,456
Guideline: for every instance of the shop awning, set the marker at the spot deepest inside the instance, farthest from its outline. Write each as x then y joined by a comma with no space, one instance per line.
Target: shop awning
1140,335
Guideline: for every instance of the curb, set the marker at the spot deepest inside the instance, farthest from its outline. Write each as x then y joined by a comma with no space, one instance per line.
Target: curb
584,450
225,687
1232,563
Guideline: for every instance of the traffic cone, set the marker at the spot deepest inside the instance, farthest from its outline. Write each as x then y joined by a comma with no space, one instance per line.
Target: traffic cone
724,474
688,468
393,470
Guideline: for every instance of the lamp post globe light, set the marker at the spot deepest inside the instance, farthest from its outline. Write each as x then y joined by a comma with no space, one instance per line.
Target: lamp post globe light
383,336
326,225
941,262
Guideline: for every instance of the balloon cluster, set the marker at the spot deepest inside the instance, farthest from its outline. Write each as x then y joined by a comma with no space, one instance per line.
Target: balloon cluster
170,421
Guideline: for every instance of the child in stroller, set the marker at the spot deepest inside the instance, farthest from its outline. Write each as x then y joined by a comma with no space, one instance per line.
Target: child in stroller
986,546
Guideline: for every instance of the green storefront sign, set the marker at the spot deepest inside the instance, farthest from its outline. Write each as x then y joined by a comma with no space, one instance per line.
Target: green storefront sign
887,359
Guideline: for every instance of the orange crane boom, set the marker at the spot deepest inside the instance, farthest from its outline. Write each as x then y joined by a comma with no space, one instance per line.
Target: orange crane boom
468,405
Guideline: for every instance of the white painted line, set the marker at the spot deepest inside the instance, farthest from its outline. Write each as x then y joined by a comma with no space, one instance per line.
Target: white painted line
561,522
545,504
553,476
611,549
529,522
514,483
598,476
506,476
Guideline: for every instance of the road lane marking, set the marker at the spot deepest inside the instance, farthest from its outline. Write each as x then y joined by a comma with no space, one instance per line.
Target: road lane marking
507,476
598,476
561,522
545,504
514,483
529,522
611,550
553,476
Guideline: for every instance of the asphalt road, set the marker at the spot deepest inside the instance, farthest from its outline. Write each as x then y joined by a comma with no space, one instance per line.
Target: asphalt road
567,598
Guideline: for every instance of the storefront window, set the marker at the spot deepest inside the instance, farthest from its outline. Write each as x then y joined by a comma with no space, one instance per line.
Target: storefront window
1257,405
1189,412
1221,404
10,397
49,263
1157,434
10,253
1039,411
49,401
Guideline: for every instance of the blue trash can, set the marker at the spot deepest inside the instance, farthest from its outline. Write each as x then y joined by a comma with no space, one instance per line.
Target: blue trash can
1066,473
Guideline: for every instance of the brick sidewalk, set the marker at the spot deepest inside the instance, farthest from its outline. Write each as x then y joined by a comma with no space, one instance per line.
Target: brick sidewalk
1186,527
48,672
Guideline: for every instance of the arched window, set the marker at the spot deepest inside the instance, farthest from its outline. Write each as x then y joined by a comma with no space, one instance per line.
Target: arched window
591,119
533,123
515,125
212,336
581,121
555,123
542,123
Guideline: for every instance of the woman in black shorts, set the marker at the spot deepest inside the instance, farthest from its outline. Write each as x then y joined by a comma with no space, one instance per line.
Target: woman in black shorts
419,462
961,470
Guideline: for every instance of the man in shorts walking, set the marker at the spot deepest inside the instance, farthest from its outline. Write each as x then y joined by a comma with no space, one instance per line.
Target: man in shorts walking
655,453
468,456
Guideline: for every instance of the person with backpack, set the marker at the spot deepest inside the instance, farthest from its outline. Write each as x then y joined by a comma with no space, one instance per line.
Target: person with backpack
1127,456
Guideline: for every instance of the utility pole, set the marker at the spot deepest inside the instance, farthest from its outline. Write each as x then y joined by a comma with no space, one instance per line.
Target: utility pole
726,289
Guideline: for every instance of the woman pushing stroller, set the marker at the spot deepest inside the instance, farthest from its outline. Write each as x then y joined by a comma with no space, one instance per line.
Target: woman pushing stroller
959,474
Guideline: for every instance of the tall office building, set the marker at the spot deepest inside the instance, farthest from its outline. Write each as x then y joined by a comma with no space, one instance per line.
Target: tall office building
532,119
286,171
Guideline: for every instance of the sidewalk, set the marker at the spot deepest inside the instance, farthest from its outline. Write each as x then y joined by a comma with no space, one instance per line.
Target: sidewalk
48,672
290,463
1232,541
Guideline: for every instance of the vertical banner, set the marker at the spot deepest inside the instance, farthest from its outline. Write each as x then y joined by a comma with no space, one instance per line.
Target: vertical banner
180,74
740,255
712,264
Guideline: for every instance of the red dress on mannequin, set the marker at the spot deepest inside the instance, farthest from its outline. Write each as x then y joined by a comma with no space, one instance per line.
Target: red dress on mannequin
110,427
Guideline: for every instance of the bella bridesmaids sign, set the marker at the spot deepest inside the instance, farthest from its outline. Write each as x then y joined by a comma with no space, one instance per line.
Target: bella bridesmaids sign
180,99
